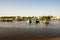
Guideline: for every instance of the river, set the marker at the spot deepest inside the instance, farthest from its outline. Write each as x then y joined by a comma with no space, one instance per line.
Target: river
24,29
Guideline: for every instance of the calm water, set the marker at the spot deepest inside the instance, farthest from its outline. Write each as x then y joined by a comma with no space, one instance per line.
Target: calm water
15,24
22,28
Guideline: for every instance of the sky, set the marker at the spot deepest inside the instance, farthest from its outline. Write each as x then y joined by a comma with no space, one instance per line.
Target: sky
29,7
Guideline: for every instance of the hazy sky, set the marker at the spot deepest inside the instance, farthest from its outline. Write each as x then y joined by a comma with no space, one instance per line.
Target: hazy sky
29,7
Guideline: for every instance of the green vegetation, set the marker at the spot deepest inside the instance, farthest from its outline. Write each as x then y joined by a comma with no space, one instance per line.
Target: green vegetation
23,18
46,18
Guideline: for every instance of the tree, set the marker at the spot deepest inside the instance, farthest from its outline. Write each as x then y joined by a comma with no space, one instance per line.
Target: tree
45,18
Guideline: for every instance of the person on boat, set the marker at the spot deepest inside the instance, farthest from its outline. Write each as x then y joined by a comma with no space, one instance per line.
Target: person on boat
37,21
30,21
47,22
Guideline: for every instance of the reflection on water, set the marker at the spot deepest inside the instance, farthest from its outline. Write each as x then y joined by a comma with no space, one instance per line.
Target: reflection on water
18,28
21,24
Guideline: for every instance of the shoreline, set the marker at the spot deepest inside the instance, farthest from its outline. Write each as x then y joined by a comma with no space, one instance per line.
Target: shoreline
29,38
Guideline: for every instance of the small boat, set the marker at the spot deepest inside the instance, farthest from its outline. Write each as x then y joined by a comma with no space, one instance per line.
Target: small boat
10,20
46,22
